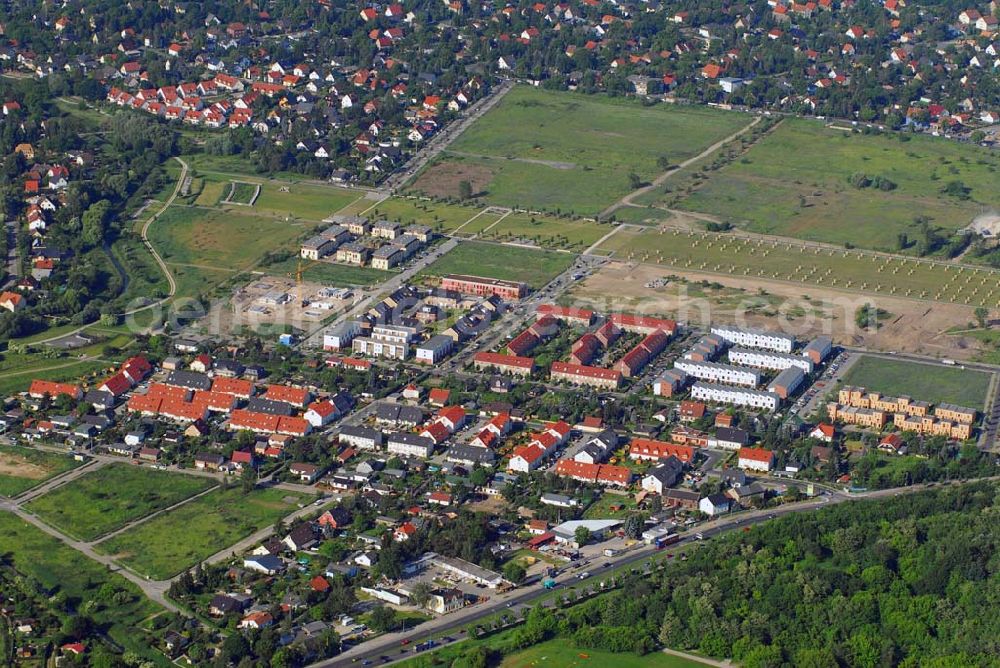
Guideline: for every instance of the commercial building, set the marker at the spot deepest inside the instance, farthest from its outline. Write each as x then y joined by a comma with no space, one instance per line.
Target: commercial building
762,359
586,375
719,373
756,338
736,396
484,287
598,529
468,571
786,382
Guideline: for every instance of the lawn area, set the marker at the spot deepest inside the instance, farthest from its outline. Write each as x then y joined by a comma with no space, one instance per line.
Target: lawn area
541,149
509,263
173,541
854,270
795,182
24,468
561,233
108,498
146,279
441,217
330,273
61,569
602,508
923,382
242,192
64,370
561,653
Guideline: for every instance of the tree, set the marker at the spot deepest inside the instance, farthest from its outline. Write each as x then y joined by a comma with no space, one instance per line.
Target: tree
633,526
634,181
95,219
981,314
464,190
582,536
421,593
514,572
383,619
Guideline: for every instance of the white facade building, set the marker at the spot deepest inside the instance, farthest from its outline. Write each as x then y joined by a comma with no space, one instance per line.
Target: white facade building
756,338
341,336
719,373
736,396
762,359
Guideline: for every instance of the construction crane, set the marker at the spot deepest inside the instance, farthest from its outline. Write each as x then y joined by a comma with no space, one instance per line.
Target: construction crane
298,279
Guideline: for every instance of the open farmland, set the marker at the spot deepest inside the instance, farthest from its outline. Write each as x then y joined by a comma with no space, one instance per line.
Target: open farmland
509,263
24,468
180,538
924,382
796,182
540,149
107,499
856,271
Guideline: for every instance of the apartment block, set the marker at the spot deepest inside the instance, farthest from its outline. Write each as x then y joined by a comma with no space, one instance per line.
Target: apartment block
735,396
762,359
756,338
719,373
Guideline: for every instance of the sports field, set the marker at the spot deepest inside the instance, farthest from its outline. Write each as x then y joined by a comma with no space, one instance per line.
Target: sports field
540,149
509,263
24,468
924,382
108,498
854,270
180,538
795,182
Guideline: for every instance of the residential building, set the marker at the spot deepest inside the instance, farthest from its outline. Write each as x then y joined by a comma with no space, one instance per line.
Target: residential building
649,449
862,417
586,375
858,397
353,253
341,336
638,324
387,257
670,382
731,438
480,286
736,396
575,315
755,338
410,445
763,359
663,476
363,438
786,382
756,459
818,349
434,349
521,366
715,504
719,373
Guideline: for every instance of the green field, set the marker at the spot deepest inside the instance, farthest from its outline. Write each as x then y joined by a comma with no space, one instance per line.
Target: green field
108,498
541,149
854,270
550,232
794,182
242,192
24,468
923,382
441,217
61,569
509,263
55,370
176,540
561,653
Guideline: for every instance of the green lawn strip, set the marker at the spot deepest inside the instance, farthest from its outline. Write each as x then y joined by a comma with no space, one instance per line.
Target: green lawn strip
777,188
107,499
23,468
923,382
178,539
505,262
851,270
146,279
560,233
572,152
408,211
63,570
72,372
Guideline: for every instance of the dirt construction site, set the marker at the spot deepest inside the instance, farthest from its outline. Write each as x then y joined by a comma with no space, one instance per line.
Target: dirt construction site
699,298
275,300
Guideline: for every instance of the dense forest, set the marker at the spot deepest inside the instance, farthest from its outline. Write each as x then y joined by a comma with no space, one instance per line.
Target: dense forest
905,581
